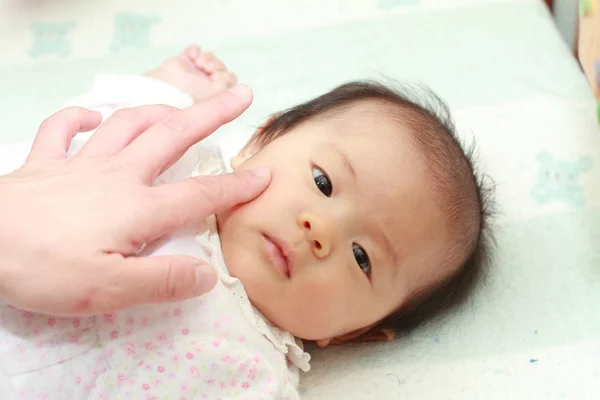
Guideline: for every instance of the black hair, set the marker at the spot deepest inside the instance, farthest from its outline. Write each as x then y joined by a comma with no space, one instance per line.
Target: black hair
464,198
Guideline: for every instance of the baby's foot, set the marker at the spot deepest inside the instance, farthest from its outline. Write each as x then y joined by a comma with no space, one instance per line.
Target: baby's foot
201,75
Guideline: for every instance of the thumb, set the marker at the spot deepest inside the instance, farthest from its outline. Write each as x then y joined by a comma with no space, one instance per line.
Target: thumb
194,199
160,279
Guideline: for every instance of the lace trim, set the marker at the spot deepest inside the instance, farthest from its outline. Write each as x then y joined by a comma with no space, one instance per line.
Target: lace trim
283,341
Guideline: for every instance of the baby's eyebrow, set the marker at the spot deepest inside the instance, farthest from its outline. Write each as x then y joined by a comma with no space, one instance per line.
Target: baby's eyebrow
343,157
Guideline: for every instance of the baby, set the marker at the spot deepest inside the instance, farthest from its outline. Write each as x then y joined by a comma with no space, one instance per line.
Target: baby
373,222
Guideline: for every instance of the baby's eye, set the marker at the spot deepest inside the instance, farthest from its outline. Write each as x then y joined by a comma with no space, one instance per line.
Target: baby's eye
322,181
362,259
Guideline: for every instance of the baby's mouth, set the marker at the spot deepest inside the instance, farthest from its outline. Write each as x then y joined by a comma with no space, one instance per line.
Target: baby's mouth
276,252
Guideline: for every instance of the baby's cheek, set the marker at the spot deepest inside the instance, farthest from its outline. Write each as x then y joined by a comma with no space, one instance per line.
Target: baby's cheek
326,305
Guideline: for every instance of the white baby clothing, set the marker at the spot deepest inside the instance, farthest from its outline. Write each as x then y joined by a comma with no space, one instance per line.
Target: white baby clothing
217,346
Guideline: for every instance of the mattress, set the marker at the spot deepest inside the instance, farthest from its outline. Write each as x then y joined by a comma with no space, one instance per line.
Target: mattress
532,330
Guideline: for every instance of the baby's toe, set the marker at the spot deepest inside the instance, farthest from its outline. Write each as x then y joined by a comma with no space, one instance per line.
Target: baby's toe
203,59
230,78
209,63
192,52
214,66
223,80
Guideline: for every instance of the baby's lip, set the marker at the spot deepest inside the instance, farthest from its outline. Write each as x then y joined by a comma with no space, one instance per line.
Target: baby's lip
283,249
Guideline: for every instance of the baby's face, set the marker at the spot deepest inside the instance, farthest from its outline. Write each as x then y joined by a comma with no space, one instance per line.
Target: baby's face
347,230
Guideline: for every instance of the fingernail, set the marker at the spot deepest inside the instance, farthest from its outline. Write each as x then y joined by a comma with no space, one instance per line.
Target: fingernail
206,277
241,90
261,172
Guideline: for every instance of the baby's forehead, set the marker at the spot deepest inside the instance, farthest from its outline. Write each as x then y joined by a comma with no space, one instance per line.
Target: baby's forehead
362,110
366,120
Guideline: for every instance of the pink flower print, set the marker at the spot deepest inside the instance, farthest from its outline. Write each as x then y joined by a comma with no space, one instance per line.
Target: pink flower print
131,382
183,388
114,334
242,367
78,380
75,338
177,312
217,325
176,359
270,379
130,349
148,345
195,372
144,321
157,382
233,383
252,373
242,339
145,386
189,356
109,318
128,332
185,331
227,359
102,395
120,379
76,323
140,363
160,369
245,385
256,359
51,322
162,337
27,314
210,381
130,320
223,385
216,343
151,397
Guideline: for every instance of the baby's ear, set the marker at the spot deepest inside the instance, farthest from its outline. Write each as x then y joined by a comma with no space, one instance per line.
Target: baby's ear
252,147
384,335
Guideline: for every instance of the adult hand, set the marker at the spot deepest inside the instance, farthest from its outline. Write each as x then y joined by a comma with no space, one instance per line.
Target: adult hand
70,227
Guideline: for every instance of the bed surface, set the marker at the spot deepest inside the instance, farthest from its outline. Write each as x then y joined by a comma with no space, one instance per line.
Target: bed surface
533,330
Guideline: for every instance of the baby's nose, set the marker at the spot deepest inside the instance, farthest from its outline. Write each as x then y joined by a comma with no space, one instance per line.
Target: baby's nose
318,231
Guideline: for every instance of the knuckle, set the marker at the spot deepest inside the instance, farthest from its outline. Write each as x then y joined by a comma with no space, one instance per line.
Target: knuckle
126,114
209,190
168,290
177,124
222,107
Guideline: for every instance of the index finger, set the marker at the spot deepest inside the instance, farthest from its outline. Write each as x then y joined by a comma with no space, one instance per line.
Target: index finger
192,200
168,139
57,131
